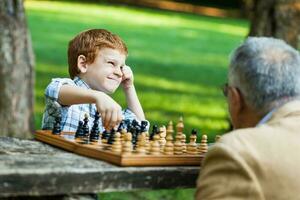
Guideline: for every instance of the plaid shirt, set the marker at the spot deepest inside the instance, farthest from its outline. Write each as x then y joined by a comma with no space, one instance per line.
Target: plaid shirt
70,115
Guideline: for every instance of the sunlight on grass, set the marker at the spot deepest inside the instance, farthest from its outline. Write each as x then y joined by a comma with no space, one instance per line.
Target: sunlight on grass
129,16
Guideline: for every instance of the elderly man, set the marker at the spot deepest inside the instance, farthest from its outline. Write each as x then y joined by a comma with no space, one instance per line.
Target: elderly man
260,158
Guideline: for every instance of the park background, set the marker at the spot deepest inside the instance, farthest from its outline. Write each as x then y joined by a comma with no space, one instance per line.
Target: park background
178,49
179,62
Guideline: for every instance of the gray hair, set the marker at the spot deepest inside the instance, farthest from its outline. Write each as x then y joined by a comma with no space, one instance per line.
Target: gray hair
266,71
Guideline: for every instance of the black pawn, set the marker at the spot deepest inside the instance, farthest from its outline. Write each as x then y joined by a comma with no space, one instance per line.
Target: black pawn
105,135
94,136
56,128
154,131
111,138
79,132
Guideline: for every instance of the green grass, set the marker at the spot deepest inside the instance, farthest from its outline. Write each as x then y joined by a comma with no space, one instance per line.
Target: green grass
179,60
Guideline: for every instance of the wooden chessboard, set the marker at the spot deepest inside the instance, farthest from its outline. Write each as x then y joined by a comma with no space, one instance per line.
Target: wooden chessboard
102,152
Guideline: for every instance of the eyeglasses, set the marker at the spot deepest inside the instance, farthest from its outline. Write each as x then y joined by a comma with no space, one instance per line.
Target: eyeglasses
225,89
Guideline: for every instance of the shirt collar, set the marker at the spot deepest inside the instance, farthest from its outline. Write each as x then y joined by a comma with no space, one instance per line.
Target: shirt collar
267,117
79,82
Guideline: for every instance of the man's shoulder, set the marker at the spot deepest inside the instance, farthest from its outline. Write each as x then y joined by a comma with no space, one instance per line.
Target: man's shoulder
247,138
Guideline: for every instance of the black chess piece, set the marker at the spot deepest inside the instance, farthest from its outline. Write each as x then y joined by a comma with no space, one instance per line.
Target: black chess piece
111,138
154,131
144,125
86,131
127,124
194,132
121,126
56,128
105,135
94,136
134,130
79,132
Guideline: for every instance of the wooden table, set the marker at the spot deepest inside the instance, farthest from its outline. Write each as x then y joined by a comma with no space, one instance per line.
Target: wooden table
31,168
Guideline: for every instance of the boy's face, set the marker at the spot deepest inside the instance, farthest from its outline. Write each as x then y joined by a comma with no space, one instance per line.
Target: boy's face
105,73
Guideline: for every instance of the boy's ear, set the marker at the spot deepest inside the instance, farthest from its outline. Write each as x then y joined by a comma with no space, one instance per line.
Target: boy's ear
81,63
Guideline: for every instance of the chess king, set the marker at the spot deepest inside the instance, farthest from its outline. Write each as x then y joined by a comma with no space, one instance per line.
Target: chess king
97,67
260,158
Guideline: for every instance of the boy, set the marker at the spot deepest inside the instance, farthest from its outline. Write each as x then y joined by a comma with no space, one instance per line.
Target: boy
97,67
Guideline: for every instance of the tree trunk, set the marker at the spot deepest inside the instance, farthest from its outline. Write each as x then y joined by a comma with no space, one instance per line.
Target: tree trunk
16,71
275,18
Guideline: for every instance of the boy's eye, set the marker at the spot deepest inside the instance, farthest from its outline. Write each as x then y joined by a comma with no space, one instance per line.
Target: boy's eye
112,63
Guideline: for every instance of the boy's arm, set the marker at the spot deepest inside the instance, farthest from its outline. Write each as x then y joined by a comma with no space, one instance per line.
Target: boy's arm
111,112
132,99
133,102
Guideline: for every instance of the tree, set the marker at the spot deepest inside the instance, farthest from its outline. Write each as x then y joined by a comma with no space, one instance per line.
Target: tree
275,18
16,71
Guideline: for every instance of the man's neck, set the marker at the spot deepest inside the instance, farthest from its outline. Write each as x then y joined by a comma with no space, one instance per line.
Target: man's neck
249,119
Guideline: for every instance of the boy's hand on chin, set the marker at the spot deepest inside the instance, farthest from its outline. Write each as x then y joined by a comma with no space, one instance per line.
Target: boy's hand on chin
127,78
110,111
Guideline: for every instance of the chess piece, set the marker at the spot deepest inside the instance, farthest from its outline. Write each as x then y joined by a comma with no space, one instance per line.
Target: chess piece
123,135
192,146
179,130
56,128
183,141
121,126
117,146
217,138
155,147
203,145
94,136
144,125
105,136
162,134
178,145
181,135
79,132
111,138
141,144
86,125
169,147
154,131
127,146
180,125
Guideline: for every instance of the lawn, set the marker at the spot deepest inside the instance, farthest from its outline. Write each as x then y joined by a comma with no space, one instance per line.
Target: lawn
179,61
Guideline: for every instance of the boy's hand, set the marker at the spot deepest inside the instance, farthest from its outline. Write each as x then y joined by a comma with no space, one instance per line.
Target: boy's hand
111,112
127,78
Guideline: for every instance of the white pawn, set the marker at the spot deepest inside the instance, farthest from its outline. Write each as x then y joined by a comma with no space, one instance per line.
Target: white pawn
178,145
192,146
155,146
162,134
117,145
203,145
169,146
140,145
127,146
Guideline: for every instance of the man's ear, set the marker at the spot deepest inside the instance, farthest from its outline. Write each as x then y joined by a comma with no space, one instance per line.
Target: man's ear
237,100
81,63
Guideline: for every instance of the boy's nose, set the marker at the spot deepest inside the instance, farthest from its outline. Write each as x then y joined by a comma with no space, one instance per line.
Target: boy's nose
118,71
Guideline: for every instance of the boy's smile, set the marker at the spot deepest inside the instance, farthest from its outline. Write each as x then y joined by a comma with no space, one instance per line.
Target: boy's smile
105,73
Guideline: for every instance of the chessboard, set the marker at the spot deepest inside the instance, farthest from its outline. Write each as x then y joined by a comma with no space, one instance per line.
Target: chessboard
163,147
